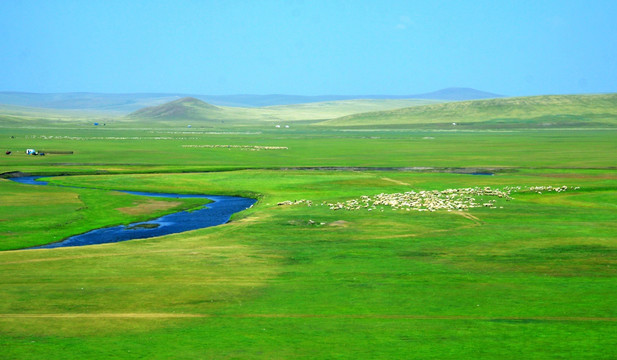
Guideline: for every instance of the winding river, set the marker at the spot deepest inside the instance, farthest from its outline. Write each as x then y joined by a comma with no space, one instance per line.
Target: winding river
215,213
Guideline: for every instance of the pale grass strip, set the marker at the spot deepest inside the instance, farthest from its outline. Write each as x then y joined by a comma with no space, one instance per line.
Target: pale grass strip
316,316
395,181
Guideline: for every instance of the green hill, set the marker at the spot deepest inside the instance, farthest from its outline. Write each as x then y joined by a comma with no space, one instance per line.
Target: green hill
535,111
192,110
196,110
187,108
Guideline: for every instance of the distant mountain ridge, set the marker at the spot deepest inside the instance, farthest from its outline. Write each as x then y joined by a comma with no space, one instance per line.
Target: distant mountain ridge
126,103
84,101
454,93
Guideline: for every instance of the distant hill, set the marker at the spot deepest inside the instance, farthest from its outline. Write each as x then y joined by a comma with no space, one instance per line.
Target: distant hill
455,93
119,103
195,110
448,94
201,113
126,103
535,111
187,108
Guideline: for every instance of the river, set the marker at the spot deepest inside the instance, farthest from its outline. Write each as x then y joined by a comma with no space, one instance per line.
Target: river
215,213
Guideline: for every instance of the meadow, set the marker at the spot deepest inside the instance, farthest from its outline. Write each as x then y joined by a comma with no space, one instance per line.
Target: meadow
531,277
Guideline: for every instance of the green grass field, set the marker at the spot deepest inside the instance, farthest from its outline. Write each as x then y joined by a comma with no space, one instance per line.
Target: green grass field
557,111
533,277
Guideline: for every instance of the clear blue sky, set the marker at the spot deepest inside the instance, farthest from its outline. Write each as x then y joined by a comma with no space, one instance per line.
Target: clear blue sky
308,47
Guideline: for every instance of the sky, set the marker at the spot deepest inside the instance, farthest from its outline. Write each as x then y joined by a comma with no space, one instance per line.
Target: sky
362,47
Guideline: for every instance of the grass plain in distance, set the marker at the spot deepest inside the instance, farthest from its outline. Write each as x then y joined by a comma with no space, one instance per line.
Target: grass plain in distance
534,279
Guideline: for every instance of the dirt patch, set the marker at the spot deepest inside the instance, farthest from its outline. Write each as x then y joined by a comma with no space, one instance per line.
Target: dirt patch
321,316
339,223
401,236
467,215
253,218
395,181
34,199
148,207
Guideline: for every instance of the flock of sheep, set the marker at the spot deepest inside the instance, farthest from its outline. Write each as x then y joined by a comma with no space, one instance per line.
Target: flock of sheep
432,200
241,147
427,200
539,189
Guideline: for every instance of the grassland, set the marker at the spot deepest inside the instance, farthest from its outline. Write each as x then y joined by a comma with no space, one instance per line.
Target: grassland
534,277
194,110
26,220
524,112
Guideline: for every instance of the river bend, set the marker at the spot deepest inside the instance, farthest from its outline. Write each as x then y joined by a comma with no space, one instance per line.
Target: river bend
215,213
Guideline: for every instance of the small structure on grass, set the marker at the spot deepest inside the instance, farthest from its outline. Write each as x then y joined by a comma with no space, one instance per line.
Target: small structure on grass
31,152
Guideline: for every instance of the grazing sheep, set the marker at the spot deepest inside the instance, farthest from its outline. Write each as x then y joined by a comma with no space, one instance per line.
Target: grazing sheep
461,199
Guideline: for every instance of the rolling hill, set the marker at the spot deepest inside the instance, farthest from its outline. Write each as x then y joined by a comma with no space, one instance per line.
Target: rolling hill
536,111
187,108
126,103
195,110
118,103
192,110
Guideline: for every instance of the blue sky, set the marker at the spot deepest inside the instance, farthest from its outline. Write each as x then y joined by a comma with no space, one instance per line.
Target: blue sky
308,47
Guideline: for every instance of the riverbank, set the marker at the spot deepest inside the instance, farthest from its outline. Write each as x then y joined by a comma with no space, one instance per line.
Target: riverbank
216,213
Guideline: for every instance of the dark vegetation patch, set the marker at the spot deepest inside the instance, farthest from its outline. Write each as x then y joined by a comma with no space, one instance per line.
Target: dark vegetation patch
143,226
554,253
519,321
559,261
421,254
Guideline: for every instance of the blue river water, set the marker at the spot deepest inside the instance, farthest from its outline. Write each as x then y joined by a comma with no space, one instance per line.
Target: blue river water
215,213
